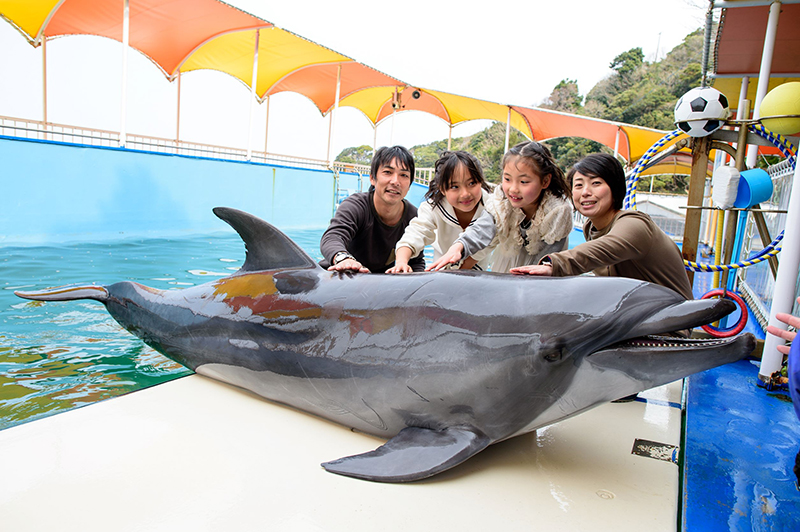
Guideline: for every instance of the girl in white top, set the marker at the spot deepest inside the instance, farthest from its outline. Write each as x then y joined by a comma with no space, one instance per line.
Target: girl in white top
455,199
532,213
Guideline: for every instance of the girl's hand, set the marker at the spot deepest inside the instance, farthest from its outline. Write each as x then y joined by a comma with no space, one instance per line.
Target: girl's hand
534,269
348,265
400,268
788,319
453,256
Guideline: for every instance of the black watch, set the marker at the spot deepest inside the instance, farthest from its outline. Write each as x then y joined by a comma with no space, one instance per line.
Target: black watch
342,255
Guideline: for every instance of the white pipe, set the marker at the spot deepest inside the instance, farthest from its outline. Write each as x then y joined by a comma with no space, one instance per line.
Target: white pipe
785,281
616,143
266,128
125,40
253,98
334,112
719,4
391,138
764,72
44,82
374,137
450,136
508,129
178,117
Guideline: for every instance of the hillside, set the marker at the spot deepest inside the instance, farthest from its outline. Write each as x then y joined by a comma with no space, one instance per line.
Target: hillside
636,92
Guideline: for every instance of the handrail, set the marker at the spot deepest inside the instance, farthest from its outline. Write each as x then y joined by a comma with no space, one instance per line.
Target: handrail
53,132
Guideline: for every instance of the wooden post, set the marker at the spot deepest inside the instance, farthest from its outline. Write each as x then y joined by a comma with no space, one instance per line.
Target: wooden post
697,183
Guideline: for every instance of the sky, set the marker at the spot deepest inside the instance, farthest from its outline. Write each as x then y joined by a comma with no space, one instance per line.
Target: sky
505,51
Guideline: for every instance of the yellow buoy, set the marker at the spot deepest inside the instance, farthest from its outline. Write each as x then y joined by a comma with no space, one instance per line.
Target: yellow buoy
782,100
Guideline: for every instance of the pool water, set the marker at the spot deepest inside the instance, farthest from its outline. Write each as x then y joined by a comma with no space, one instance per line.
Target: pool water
57,356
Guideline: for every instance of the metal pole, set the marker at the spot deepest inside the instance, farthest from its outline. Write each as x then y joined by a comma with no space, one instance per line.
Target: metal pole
332,123
253,98
44,83
449,136
266,128
764,72
785,283
178,118
616,143
508,130
125,40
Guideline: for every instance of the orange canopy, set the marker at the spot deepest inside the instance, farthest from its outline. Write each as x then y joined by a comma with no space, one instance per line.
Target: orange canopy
166,32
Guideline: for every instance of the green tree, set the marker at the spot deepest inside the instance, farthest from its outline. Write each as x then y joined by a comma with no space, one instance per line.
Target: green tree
565,97
356,155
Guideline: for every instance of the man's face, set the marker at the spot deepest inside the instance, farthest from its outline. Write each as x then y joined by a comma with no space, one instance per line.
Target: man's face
391,183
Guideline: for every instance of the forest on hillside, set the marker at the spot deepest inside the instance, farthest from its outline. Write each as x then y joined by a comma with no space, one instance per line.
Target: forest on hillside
636,92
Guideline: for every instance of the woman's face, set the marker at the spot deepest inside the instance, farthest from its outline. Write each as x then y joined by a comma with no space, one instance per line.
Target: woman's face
593,199
464,192
523,185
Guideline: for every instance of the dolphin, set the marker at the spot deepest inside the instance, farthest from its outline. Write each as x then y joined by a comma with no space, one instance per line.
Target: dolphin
441,364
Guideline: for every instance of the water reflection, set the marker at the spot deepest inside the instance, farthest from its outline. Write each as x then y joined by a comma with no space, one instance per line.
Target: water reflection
59,356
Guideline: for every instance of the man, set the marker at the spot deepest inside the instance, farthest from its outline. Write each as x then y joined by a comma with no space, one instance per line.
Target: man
367,225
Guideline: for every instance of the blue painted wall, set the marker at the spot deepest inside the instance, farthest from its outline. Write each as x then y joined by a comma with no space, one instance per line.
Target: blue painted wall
57,192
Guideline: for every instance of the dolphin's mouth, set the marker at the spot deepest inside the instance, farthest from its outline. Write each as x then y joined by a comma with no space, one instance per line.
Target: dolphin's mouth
652,343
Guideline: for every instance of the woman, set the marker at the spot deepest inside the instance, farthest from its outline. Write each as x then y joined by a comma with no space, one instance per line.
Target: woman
619,243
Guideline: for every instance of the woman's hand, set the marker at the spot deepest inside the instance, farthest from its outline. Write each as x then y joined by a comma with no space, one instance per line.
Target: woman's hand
348,265
400,268
452,256
534,269
789,336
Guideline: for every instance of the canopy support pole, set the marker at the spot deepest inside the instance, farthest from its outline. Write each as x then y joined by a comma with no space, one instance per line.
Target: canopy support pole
449,136
391,138
178,117
44,84
253,99
266,127
764,72
374,138
616,143
508,130
334,112
785,282
126,27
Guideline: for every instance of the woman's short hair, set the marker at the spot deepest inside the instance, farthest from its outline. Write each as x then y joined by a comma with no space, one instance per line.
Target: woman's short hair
607,168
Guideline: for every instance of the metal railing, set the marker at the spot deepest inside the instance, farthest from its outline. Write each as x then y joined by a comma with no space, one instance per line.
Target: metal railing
52,132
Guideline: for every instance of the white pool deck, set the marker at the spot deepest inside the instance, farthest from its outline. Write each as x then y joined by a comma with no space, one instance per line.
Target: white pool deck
198,455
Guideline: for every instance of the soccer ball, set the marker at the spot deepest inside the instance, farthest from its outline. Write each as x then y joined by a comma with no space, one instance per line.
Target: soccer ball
701,111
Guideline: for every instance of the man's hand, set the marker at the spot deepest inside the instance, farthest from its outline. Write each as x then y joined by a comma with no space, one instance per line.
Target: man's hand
348,265
452,256
534,269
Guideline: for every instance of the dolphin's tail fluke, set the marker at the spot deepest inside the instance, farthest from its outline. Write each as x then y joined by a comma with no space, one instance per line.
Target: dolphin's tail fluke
67,293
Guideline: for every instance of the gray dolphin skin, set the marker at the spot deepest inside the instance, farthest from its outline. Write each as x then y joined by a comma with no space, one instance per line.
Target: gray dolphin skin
440,364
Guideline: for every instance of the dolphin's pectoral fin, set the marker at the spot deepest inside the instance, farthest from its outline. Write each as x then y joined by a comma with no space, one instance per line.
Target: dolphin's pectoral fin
415,453
267,247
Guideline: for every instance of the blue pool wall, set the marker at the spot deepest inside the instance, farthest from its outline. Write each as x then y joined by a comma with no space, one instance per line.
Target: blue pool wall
55,192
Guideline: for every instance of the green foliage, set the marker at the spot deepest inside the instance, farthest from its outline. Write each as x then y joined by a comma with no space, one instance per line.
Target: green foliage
636,92
357,155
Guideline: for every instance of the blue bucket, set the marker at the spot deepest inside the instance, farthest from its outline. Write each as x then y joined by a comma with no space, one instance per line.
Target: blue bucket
755,186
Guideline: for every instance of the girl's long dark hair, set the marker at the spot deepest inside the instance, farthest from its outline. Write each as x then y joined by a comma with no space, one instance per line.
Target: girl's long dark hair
445,169
538,157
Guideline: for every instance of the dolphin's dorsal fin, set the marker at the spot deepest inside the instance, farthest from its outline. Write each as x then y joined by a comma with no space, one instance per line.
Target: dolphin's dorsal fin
413,454
267,247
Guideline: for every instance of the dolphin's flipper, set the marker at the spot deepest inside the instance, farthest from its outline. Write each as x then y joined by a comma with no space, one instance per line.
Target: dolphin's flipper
267,247
415,453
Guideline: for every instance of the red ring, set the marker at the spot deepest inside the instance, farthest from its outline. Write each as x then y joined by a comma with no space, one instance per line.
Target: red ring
731,331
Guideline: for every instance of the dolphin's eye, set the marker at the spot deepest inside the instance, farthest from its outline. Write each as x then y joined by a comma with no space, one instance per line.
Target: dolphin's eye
553,356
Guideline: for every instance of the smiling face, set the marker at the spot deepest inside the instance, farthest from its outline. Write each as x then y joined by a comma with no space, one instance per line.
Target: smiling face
463,192
523,186
593,198
391,183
